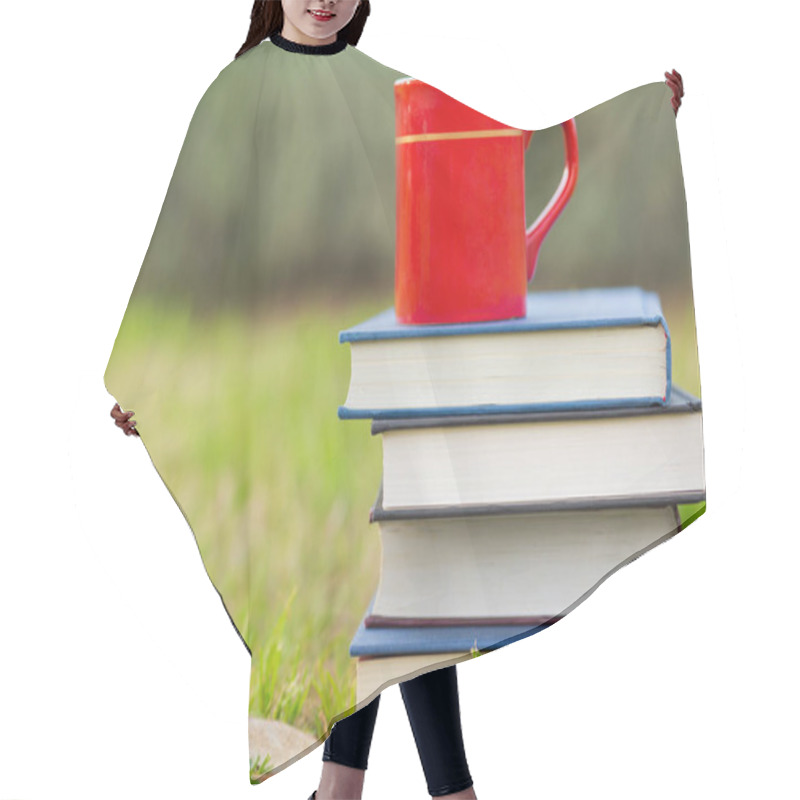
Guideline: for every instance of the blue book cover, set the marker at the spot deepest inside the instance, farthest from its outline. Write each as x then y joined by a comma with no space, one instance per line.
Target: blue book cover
438,639
628,306
578,308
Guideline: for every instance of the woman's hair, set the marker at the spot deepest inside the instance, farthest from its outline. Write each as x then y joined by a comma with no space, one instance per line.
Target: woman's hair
266,18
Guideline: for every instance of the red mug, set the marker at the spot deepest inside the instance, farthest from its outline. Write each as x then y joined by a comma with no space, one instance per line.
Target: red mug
463,251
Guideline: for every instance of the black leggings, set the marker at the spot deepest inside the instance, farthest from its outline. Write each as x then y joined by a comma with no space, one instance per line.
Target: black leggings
433,711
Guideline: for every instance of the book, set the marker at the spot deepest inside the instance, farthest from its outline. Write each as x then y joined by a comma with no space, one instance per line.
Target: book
426,639
386,655
574,349
587,458
519,569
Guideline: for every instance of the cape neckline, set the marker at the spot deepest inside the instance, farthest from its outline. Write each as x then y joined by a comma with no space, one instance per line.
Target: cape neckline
308,49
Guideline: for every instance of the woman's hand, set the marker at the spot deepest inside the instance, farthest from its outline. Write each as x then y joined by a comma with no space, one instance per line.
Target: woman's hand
122,419
675,82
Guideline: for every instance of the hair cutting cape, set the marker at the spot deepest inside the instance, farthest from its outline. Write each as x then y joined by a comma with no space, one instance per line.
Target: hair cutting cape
348,557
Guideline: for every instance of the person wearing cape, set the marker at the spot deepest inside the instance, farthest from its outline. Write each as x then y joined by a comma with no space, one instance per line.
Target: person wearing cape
277,233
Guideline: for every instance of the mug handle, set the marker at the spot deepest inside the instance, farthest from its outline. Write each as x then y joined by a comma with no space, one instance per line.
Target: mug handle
534,235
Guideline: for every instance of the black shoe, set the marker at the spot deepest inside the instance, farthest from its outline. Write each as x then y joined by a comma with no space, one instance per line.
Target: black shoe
314,794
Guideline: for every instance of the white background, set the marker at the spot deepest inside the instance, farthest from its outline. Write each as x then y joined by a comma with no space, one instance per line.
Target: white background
120,674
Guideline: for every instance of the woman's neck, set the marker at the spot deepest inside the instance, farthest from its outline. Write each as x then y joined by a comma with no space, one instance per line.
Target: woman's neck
335,46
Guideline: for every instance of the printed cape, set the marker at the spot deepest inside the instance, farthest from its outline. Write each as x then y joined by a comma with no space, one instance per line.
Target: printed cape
357,540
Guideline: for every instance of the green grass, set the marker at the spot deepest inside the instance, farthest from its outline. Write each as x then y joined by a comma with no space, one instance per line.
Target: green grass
240,418
259,766
689,513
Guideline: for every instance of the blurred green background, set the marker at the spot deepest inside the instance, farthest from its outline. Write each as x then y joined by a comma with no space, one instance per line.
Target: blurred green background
229,350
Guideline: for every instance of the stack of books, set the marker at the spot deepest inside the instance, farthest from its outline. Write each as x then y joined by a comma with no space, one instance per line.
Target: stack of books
524,461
